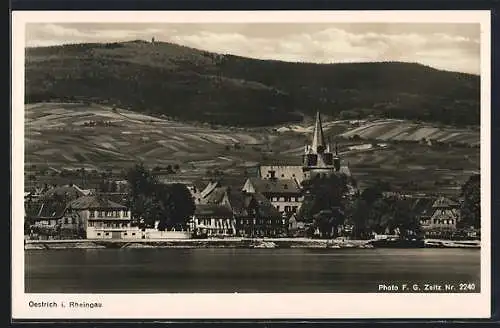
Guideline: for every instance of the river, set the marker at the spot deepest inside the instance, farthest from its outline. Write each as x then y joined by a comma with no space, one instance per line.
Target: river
223,270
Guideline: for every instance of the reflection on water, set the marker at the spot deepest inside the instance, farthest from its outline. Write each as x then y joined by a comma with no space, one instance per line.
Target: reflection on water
243,270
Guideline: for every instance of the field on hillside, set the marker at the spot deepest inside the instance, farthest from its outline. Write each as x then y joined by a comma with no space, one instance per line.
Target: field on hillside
98,137
62,135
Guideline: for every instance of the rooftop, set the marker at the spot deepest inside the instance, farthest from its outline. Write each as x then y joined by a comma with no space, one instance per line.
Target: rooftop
274,185
213,210
443,202
94,202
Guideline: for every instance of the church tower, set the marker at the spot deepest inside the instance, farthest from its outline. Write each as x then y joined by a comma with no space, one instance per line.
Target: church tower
318,159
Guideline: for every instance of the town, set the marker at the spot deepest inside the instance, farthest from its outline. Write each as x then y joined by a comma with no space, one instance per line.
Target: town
318,199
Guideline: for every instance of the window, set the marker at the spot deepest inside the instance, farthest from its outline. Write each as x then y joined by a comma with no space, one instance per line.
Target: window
124,233
107,233
133,233
98,233
91,214
66,220
287,209
294,209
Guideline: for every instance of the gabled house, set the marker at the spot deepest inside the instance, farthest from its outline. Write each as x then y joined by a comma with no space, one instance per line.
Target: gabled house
103,218
443,215
284,194
254,215
213,220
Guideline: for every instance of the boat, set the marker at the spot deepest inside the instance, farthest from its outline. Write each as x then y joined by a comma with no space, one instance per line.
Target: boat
398,242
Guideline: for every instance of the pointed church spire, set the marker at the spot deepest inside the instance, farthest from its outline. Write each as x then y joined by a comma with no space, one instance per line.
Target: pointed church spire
318,142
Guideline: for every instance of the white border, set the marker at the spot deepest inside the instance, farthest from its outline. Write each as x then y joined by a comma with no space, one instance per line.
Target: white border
248,306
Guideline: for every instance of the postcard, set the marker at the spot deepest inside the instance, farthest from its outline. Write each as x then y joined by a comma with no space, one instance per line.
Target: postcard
251,165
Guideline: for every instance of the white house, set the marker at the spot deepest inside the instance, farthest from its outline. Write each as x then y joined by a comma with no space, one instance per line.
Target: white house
104,219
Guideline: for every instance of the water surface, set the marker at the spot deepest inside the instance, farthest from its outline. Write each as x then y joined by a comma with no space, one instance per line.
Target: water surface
218,270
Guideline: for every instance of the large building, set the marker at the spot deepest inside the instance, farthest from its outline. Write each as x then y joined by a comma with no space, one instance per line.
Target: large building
442,216
318,160
228,212
284,194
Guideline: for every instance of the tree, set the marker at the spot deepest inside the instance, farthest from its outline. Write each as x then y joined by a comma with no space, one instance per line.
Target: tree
324,203
470,209
141,188
176,205
170,205
359,218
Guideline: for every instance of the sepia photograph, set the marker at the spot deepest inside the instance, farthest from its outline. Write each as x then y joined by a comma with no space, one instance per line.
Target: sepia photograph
251,165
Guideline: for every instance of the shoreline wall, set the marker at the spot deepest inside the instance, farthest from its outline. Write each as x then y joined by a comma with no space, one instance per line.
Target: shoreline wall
192,243
211,243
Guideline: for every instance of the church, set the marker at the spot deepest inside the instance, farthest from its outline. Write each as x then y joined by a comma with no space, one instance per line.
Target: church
317,160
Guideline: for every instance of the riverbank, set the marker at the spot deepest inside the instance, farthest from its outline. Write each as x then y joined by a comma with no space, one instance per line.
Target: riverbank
223,243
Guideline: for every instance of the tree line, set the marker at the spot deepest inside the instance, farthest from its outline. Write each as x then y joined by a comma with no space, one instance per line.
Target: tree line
327,207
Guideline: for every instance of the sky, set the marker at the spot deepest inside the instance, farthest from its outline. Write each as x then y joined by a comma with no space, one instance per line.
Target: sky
447,46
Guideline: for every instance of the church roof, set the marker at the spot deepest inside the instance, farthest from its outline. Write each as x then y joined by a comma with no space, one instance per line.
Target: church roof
318,136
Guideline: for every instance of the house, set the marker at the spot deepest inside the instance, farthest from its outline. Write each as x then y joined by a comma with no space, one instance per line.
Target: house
284,194
441,217
213,220
104,219
50,216
254,215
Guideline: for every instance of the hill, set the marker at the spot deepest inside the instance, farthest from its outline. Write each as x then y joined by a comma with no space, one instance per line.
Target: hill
98,137
188,84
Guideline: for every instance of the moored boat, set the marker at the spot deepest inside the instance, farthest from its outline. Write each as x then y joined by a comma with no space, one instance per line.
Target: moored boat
398,242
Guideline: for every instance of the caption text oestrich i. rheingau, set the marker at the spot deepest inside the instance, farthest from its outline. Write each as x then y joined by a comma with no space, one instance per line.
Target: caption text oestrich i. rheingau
74,305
